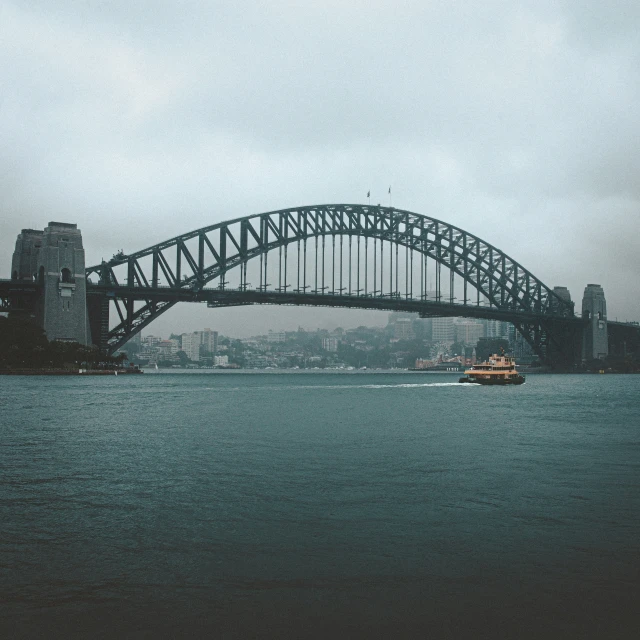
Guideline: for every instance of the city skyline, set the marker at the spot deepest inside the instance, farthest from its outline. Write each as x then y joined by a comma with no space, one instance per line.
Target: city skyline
403,342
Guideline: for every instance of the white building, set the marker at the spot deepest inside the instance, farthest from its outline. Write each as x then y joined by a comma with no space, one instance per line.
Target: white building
191,345
330,344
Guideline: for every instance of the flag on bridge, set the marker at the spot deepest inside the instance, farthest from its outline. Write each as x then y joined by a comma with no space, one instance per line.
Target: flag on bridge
389,189
368,194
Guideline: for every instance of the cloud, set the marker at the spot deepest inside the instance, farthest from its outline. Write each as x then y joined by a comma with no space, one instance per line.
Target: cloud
515,121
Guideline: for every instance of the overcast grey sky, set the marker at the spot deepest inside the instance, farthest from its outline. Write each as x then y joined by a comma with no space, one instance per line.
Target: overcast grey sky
517,121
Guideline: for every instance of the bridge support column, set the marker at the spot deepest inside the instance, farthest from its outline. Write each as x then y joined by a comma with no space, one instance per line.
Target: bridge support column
63,309
595,343
24,265
98,307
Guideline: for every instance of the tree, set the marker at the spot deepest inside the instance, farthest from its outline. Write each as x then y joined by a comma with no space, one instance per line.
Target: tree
24,345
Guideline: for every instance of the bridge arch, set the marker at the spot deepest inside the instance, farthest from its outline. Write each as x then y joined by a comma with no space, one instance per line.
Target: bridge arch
140,283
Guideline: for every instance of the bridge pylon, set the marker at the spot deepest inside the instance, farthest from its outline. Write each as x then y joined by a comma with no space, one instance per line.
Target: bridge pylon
54,259
595,344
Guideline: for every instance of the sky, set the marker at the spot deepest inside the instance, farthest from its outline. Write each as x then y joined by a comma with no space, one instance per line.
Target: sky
516,121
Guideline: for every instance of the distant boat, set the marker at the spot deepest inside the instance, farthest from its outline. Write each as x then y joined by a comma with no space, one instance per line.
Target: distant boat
497,370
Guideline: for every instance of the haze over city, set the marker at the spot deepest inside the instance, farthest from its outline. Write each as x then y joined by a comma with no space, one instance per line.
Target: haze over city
514,121
315,472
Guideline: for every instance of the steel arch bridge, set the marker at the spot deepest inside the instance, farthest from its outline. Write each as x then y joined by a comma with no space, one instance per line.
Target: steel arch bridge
342,255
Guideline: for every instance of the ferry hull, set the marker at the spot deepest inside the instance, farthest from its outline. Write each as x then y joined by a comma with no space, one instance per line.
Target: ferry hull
493,381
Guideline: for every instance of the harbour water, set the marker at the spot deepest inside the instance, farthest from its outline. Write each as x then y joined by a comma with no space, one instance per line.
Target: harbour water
319,505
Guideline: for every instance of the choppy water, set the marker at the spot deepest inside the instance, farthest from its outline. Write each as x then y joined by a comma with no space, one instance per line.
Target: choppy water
319,505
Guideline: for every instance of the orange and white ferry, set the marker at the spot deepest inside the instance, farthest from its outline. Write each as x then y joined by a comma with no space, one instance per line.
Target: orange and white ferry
498,369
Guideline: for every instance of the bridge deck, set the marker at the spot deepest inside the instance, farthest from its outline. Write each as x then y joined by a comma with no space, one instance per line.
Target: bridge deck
216,297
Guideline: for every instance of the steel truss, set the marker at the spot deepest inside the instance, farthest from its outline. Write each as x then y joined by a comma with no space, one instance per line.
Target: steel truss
363,244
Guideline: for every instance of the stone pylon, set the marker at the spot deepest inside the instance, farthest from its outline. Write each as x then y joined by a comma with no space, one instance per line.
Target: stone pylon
62,311
595,343
24,265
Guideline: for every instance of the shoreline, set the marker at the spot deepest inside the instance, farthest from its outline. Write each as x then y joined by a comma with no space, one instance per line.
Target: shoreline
68,372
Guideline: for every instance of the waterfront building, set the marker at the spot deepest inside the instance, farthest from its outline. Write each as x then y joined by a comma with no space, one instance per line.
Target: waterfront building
167,349
190,344
209,341
150,342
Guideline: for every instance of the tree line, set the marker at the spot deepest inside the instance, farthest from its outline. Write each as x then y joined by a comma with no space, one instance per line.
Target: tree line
24,345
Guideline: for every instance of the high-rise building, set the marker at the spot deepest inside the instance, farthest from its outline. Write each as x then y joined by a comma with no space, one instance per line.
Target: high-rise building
469,331
423,328
442,330
190,344
209,341
496,329
403,329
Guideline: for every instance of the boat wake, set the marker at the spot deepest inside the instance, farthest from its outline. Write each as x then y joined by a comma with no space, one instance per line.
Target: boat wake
345,387
397,386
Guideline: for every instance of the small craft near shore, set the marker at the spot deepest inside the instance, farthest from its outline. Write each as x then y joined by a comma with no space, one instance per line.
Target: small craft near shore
497,370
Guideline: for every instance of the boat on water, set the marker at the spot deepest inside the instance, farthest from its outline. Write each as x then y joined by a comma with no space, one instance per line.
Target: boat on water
498,370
